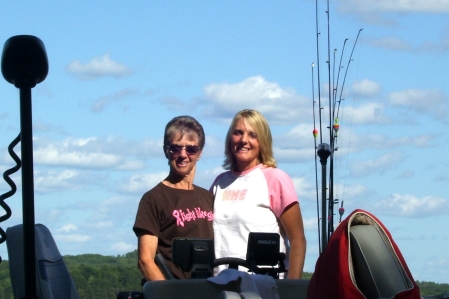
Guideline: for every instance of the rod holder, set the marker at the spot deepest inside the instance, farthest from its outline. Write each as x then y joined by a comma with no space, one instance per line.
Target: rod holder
323,151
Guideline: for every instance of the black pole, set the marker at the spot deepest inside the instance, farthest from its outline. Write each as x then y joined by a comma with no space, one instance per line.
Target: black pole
323,151
28,192
330,229
25,64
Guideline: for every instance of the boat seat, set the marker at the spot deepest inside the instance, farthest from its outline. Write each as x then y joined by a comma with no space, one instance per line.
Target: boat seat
377,270
201,288
53,280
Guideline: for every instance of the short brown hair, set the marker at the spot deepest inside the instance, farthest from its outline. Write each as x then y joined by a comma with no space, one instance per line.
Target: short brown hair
184,125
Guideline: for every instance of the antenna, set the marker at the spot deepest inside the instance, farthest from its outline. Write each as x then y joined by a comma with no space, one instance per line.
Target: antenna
25,64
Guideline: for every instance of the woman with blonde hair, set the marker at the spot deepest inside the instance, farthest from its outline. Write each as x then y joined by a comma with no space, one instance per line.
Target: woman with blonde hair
255,196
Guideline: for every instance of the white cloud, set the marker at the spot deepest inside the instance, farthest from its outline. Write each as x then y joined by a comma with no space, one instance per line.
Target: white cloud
103,224
93,152
303,188
390,42
214,172
52,215
437,267
173,103
369,113
413,206
352,193
283,155
122,247
131,165
54,155
398,44
300,132
39,125
48,180
310,224
366,88
440,46
114,212
204,178
98,67
432,102
401,6
277,104
380,141
71,238
100,104
368,167
67,228
406,174
141,183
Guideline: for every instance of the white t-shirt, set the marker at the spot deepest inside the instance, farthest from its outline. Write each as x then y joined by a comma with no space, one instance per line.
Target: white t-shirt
249,201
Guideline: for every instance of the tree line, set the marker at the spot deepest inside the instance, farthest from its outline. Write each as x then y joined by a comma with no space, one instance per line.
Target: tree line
95,276
101,277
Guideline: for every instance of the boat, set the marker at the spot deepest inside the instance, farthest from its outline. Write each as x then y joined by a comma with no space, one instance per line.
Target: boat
38,273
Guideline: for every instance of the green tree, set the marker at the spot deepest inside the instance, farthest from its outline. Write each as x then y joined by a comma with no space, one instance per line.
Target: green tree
101,277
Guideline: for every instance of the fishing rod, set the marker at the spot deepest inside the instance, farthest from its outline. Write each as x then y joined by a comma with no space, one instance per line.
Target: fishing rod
347,68
333,139
315,134
318,68
334,136
338,77
331,193
326,150
322,149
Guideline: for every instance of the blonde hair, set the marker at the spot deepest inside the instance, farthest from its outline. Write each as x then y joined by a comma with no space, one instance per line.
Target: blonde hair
260,126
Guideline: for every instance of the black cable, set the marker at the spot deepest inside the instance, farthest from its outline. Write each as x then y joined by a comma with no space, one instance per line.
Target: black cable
11,183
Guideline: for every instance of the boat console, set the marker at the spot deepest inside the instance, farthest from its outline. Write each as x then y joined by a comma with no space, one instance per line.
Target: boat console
201,288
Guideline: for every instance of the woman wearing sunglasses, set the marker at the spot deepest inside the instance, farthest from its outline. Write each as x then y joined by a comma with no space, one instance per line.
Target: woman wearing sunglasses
255,196
175,207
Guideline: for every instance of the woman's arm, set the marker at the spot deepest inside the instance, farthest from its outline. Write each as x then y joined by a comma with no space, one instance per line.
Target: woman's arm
147,245
292,223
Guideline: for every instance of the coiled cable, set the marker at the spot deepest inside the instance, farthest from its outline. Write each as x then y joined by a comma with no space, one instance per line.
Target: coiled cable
11,183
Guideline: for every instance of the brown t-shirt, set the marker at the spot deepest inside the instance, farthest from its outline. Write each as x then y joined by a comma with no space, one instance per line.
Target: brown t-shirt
168,213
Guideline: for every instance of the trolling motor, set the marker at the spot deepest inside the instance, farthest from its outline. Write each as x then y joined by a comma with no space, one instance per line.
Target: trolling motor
25,64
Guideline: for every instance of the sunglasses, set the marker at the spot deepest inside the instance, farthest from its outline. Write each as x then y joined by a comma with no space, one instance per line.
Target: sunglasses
176,149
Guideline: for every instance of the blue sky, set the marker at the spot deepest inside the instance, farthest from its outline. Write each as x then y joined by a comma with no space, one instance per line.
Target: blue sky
119,71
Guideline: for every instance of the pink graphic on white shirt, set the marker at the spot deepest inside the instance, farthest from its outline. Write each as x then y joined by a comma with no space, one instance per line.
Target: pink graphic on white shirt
233,195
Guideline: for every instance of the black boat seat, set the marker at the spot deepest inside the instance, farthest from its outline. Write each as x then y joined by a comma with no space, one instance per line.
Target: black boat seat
53,280
201,288
377,270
